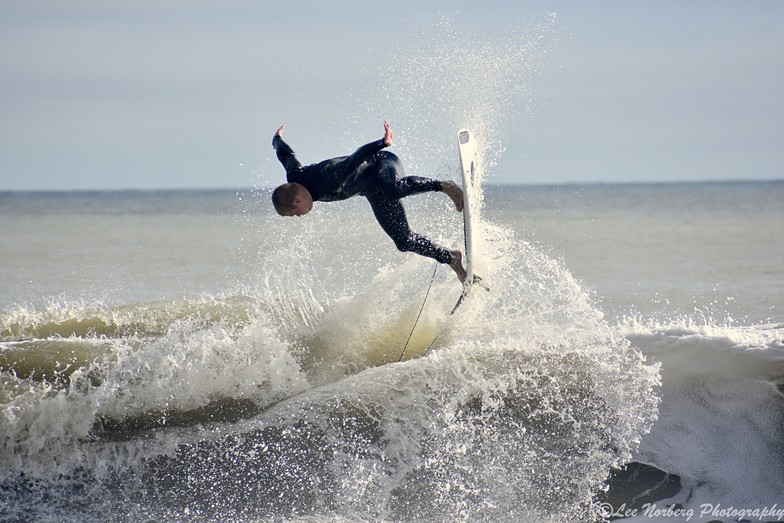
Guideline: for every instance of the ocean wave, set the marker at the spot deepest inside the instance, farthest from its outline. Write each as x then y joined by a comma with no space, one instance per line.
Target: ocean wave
65,319
721,384
525,388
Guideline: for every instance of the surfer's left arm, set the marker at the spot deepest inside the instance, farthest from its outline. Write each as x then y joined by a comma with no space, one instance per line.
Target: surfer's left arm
284,152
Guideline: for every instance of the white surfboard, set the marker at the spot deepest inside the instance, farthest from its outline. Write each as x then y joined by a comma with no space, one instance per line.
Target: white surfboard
472,202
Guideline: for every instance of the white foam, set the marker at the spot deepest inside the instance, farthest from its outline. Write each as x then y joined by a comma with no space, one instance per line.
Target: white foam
720,419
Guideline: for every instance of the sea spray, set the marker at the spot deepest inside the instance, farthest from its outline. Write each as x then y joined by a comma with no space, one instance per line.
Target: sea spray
487,79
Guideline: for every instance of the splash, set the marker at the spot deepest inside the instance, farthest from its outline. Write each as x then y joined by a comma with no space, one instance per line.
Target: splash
485,79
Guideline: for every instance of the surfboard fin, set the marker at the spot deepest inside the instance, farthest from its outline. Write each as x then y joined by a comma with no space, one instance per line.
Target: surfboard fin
466,289
460,300
479,281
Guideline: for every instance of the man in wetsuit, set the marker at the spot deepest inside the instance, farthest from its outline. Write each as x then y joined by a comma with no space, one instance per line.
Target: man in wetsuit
373,173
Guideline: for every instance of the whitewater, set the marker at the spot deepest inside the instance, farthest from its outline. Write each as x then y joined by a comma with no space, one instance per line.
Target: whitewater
190,356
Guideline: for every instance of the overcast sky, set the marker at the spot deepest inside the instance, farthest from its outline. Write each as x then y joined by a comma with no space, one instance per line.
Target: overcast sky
130,94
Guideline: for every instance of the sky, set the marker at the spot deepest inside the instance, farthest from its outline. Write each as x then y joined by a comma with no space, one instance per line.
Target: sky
187,94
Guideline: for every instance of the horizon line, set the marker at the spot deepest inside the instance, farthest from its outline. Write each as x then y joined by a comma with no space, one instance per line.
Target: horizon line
487,184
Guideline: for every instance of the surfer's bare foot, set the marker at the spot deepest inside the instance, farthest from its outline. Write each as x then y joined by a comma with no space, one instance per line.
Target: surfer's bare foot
454,192
457,265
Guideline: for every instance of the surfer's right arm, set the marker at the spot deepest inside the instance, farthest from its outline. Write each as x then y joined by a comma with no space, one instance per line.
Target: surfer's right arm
284,152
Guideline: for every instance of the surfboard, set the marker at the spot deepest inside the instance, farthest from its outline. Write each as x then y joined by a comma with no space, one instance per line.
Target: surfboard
472,202
472,199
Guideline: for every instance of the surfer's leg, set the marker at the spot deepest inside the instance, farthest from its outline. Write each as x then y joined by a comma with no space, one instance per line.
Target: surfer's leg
455,193
395,185
392,218
457,265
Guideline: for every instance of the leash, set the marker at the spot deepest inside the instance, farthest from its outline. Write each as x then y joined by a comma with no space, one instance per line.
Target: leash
416,321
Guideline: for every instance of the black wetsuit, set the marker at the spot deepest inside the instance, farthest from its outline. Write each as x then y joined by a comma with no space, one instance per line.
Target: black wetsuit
373,173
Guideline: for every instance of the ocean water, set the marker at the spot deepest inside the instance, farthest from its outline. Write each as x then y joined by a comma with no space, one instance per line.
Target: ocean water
191,356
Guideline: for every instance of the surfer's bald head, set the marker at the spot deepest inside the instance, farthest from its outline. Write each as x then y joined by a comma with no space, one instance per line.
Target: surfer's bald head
292,199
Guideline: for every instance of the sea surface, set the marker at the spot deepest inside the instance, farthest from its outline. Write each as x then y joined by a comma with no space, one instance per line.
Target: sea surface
191,356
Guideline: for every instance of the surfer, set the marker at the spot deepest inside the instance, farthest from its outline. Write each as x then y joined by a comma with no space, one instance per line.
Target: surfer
373,173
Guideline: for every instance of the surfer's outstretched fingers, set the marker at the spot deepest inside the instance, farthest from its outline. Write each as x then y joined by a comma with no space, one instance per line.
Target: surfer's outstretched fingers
454,192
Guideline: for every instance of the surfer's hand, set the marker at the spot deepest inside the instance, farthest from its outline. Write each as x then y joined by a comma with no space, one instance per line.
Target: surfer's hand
279,134
387,134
